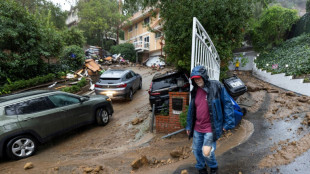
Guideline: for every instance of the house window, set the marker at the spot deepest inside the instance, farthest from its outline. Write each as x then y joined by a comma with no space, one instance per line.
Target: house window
130,29
136,26
157,34
158,15
146,21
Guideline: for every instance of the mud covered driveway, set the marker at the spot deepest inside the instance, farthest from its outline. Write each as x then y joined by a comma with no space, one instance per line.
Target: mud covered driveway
273,138
91,145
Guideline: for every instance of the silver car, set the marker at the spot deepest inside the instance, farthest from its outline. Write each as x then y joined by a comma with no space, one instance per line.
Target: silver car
116,83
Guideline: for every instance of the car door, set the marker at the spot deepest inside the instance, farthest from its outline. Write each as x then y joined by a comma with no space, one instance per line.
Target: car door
130,80
135,80
76,112
41,116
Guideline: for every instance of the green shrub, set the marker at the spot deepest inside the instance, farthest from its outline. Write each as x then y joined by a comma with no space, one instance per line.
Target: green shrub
126,49
292,57
20,84
72,57
76,88
308,6
271,28
183,117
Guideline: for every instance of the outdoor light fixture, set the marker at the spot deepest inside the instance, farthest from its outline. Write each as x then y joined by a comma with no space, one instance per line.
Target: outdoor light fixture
286,65
257,54
267,64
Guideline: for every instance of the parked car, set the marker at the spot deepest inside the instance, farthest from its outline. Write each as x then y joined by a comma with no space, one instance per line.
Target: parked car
162,84
30,118
117,83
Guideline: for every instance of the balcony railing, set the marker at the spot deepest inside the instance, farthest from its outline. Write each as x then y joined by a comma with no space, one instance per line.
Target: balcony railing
141,45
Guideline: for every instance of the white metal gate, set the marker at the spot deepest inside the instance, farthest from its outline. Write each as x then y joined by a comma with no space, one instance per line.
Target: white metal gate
204,52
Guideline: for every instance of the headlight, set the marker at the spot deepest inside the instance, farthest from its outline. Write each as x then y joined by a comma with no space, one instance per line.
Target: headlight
109,99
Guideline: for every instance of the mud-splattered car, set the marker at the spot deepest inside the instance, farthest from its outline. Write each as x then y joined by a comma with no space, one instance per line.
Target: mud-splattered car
30,118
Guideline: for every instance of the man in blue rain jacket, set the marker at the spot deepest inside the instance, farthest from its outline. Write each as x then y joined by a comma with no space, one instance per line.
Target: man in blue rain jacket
210,113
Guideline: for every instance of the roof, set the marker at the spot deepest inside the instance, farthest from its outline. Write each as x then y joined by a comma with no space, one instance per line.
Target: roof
23,94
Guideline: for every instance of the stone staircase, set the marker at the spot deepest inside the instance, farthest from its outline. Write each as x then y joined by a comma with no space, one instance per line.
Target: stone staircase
282,81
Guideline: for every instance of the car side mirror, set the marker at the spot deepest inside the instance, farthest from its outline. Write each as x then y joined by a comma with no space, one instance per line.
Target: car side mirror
83,99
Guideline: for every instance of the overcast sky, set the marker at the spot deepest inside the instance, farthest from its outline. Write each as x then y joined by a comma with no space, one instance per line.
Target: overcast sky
64,4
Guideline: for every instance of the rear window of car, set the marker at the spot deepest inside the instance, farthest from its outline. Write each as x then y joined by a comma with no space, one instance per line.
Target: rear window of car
167,82
109,80
164,83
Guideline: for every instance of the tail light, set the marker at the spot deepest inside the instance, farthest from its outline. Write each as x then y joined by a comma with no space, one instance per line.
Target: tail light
150,88
186,85
155,93
122,85
98,86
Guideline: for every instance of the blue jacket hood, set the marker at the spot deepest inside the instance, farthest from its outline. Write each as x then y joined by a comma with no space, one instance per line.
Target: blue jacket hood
200,71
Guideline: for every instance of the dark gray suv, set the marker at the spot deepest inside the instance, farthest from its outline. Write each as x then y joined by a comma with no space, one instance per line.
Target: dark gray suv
29,118
117,83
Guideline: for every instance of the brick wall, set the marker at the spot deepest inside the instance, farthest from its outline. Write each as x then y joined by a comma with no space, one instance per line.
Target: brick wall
171,123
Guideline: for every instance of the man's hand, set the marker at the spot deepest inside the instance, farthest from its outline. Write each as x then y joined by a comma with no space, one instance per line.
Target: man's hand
187,132
224,130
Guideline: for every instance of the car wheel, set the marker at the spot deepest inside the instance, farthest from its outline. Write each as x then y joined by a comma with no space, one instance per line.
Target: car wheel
130,95
102,117
21,147
140,84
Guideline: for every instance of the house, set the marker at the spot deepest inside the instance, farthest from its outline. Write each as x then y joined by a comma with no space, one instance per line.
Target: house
72,18
144,30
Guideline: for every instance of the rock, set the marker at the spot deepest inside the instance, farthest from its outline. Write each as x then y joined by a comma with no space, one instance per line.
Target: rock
28,166
303,99
135,121
252,87
169,161
184,172
98,168
136,164
56,168
290,93
144,160
88,169
176,153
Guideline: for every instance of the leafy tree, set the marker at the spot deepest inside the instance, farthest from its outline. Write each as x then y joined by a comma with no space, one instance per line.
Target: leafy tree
52,41
73,36
43,8
308,6
20,43
126,49
272,27
98,19
224,20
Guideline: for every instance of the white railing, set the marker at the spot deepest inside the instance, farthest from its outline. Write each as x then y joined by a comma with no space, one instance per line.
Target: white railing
141,45
203,51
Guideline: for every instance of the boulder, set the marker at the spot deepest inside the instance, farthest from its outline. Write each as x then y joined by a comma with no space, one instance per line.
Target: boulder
176,153
136,164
